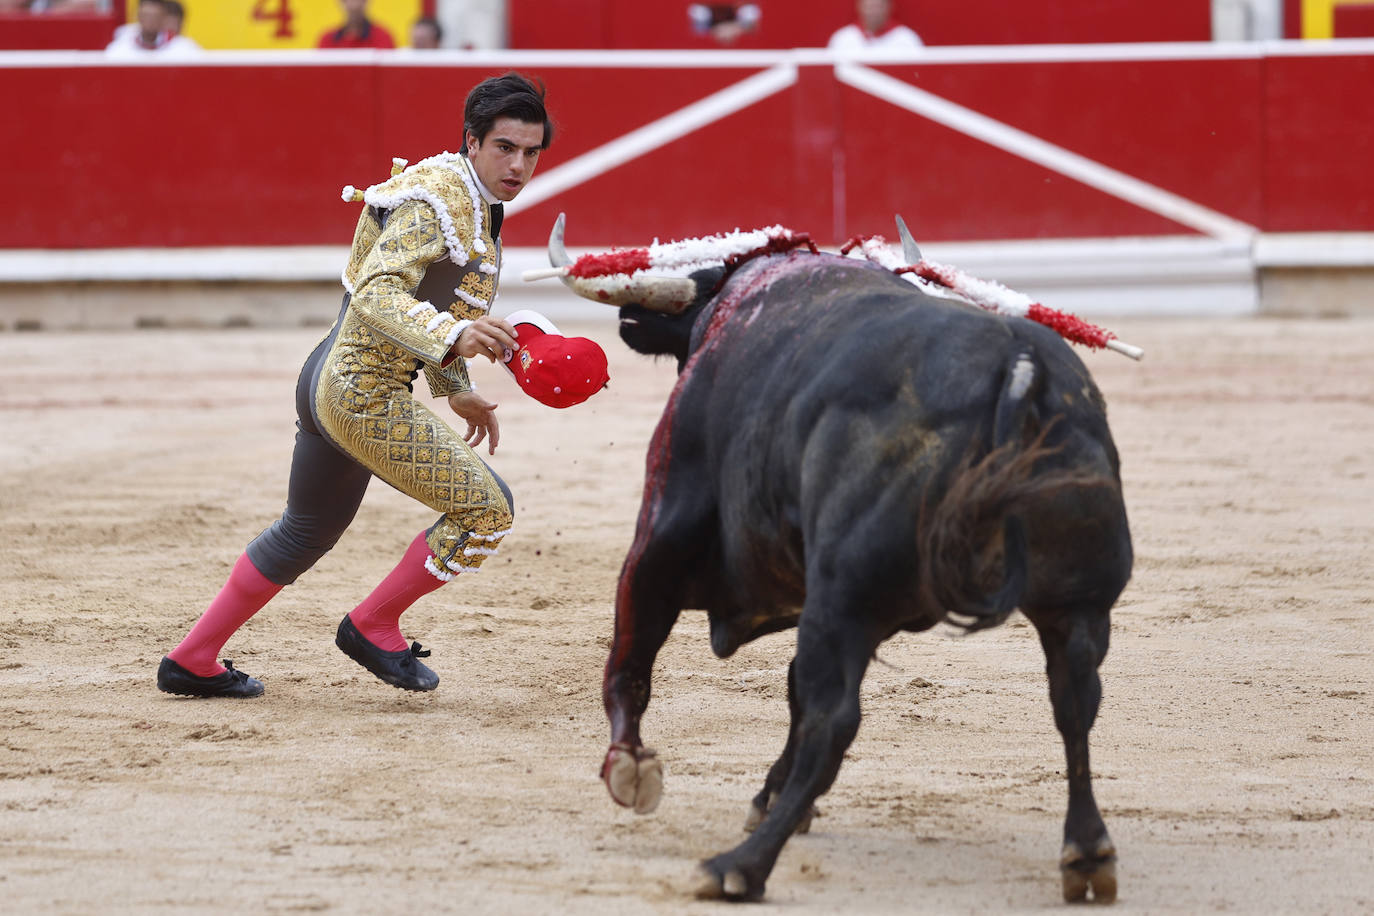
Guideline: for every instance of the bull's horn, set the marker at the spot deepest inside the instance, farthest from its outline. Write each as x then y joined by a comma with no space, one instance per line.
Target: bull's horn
558,254
659,294
909,249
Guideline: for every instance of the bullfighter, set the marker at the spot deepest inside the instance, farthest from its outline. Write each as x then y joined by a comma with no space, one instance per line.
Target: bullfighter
420,280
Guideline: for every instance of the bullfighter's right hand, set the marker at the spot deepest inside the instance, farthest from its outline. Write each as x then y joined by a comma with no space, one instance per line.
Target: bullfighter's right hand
486,336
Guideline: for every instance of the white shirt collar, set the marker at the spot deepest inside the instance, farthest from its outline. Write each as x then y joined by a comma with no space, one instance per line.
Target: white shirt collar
489,197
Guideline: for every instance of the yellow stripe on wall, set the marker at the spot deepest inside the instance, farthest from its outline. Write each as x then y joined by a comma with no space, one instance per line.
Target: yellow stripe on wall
1319,16
266,23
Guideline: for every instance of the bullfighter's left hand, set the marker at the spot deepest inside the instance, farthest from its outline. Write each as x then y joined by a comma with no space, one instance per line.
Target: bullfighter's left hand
481,416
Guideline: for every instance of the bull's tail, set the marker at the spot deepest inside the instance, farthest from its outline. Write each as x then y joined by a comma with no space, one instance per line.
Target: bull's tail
971,540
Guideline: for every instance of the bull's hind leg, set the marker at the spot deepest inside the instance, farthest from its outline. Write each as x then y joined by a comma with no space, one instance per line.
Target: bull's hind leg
653,582
1075,644
832,655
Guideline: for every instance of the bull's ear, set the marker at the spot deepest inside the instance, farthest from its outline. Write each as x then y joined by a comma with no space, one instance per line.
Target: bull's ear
708,281
909,249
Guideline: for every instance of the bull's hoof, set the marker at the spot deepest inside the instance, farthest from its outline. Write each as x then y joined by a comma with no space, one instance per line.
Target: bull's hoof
634,777
757,814
1082,873
717,882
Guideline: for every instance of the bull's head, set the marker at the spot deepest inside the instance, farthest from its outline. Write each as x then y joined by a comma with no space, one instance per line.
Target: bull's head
656,312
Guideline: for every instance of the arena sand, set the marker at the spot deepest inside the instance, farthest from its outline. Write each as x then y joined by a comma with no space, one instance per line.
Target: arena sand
1234,753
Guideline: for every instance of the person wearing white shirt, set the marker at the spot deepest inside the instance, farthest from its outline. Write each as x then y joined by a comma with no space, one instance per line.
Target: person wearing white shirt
155,33
876,30
176,25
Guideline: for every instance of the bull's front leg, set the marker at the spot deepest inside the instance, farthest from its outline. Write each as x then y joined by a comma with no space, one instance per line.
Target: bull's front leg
777,773
1075,645
832,655
648,601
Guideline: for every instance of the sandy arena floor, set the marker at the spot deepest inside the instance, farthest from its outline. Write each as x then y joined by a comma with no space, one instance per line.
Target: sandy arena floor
1234,753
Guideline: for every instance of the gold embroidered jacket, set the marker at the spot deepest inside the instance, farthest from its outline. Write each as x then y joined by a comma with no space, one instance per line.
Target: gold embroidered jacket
421,278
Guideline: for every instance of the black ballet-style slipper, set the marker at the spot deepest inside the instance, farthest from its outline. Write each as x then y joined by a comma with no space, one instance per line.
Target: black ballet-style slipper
172,678
399,669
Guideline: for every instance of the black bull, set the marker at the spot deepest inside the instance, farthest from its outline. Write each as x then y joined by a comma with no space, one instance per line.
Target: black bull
846,455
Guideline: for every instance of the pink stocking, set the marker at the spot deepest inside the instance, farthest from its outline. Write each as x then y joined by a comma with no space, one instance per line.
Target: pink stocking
241,597
378,618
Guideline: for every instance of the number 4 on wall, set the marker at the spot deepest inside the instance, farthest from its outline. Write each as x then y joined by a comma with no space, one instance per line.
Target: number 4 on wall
278,11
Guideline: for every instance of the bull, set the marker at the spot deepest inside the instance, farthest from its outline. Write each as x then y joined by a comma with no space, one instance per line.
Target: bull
846,455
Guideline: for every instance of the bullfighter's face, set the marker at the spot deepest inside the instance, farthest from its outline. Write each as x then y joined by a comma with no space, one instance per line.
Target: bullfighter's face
505,159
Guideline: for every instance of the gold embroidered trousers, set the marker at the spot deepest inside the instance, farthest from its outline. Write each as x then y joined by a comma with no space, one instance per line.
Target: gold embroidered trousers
357,419
364,404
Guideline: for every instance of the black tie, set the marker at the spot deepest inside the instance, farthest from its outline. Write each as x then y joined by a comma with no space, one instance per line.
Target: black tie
498,213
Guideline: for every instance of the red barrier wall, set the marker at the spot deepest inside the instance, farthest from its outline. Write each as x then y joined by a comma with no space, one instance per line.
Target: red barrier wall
255,154
57,32
1319,143
634,24
1204,144
1351,21
152,155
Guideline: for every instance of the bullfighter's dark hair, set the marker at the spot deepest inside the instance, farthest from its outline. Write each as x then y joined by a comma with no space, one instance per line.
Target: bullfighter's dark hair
511,96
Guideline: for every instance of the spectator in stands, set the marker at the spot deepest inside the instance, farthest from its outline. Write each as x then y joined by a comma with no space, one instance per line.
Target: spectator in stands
357,31
176,21
154,33
875,30
725,22
426,34
148,32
